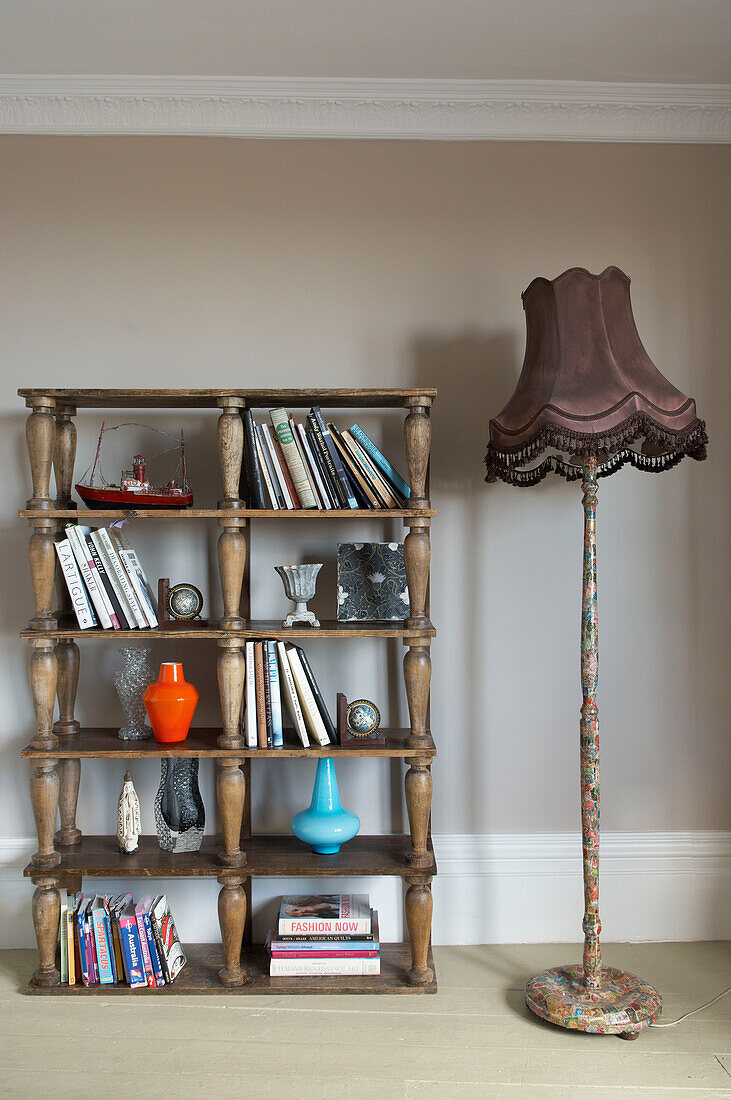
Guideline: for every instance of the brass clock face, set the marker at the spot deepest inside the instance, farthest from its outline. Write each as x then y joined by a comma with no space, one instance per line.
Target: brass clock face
362,718
185,601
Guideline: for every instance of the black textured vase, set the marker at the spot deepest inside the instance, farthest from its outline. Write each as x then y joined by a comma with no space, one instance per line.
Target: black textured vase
179,813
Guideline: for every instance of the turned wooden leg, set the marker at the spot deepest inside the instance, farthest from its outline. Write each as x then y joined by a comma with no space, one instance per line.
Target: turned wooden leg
40,434
417,557
44,800
230,451
42,561
46,915
231,670
67,662
417,440
418,919
231,562
232,917
69,777
43,672
417,677
64,455
230,793
418,786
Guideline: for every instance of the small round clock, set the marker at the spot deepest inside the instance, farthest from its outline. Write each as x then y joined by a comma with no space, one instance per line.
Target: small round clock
362,718
185,601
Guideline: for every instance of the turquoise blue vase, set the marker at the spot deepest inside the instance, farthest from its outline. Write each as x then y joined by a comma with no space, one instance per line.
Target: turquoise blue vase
326,825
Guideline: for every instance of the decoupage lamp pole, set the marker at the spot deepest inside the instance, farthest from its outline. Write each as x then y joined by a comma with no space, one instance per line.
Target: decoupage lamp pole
589,391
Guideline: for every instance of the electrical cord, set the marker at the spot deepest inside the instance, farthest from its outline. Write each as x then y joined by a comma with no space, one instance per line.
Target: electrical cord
693,1011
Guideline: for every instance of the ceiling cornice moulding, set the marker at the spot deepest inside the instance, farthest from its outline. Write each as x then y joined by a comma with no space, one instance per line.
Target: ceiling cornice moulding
437,110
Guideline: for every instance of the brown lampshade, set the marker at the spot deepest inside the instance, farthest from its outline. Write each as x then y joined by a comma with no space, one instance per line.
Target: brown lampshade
588,387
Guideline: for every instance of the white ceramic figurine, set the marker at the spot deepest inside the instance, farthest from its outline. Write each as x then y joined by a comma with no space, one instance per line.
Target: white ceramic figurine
128,817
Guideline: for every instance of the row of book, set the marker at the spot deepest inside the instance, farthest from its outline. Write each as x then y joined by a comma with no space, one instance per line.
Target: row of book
314,465
105,579
325,934
278,679
111,941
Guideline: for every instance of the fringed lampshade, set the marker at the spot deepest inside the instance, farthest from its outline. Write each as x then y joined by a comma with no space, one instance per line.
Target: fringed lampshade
588,400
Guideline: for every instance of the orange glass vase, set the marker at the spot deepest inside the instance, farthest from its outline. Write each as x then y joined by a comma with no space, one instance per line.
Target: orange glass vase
170,703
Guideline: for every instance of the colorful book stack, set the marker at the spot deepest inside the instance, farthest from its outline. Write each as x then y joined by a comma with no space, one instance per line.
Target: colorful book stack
325,934
279,678
106,582
314,465
113,941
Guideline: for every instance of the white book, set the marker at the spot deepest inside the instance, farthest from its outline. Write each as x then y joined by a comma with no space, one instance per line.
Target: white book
289,693
313,468
264,465
81,553
82,605
303,968
250,712
313,718
277,466
130,599
137,577
131,622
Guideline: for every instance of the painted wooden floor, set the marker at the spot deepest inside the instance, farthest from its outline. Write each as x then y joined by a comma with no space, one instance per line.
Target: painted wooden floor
474,1039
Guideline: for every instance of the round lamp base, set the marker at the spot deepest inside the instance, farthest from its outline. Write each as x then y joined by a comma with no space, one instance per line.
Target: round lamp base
622,1005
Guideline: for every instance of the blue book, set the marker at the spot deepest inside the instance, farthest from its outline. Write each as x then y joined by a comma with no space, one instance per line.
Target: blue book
81,938
132,948
276,696
103,946
151,942
381,462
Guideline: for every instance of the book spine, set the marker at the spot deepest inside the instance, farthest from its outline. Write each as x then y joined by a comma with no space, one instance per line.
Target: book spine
327,462
250,714
380,486
285,953
117,947
313,467
64,943
272,483
295,430
81,940
290,694
381,461
132,948
331,926
98,916
261,719
303,968
91,949
253,468
126,619
320,702
82,536
110,940
267,694
336,459
277,467
156,954
121,574
292,457
315,724
283,471
78,545
145,947
68,931
116,614
363,942
83,608
275,696
139,583
354,472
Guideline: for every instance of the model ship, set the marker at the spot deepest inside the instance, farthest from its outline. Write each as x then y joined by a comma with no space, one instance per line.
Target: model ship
135,489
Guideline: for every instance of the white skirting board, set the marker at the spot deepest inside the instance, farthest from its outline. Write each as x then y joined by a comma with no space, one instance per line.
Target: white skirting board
496,888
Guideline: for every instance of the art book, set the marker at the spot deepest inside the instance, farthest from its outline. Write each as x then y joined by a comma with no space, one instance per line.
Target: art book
301,914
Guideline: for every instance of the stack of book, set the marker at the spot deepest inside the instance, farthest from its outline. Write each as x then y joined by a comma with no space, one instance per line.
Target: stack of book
314,465
279,673
324,934
112,941
106,582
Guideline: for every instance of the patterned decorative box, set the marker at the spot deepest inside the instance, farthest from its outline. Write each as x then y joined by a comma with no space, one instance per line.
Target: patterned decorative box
372,582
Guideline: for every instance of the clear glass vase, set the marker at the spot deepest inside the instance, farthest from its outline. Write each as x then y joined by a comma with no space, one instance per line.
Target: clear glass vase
130,681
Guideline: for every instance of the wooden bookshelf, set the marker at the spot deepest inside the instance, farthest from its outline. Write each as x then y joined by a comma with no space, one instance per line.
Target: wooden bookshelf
239,854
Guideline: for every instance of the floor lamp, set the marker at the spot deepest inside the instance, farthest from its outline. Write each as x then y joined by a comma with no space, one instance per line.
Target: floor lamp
588,401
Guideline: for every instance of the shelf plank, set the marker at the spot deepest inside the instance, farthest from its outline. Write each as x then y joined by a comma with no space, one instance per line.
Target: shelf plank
208,399
103,743
93,515
267,857
254,628
200,976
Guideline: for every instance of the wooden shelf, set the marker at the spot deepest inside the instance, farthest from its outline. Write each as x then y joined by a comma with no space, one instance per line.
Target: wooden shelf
266,857
209,399
105,744
97,515
200,976
254,628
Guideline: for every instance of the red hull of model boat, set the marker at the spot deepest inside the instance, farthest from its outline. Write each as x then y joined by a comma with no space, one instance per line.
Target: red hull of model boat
109,497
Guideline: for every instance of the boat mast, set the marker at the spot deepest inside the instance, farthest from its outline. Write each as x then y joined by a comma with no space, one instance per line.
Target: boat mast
182,456
96,456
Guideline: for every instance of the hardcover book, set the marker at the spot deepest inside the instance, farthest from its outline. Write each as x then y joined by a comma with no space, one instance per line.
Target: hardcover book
255,482
392,475
132,947
371,582
250,712
152,942
304,968
275,694
292,457
83,607
289,694
302,914
172,955
325,946
101,941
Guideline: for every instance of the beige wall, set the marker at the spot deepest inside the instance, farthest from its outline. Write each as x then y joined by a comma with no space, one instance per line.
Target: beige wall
177,262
